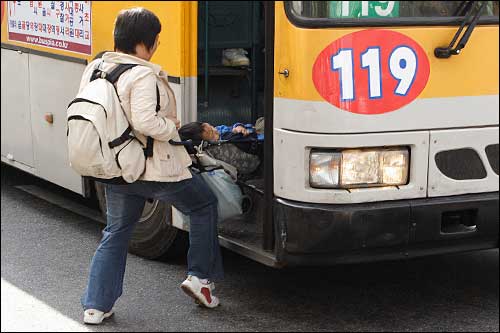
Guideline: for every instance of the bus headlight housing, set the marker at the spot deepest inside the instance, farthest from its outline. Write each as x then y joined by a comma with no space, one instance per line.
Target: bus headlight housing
353,168
324,169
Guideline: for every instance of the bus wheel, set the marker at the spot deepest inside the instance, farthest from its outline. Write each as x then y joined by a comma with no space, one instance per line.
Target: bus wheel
153,236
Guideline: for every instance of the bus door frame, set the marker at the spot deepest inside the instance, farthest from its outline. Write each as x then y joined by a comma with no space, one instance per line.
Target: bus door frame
269,29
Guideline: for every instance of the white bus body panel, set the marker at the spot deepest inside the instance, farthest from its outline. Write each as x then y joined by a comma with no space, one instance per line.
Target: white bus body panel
291,166
54,83
17,142
31,88
421,114
477,139
454,123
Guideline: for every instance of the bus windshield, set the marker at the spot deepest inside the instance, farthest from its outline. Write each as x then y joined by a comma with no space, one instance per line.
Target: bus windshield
390,11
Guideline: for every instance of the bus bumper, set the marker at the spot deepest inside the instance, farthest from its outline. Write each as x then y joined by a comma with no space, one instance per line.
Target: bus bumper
318,234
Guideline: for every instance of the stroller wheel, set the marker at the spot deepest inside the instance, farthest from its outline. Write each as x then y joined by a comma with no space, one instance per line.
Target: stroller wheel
246,204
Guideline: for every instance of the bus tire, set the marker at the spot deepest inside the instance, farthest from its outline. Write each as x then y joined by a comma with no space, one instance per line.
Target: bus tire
153,237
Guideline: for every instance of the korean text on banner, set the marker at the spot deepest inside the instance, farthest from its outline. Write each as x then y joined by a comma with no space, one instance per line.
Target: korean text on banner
64,25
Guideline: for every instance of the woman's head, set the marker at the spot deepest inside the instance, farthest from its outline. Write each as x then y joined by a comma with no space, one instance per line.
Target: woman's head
198,131
136,32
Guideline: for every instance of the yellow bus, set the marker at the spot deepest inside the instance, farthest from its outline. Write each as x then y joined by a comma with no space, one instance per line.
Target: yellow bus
381,117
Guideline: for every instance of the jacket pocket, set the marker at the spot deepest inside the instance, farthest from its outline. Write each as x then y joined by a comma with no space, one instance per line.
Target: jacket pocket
171,161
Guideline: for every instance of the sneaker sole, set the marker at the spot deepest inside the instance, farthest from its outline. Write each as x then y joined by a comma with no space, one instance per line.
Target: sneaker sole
105,316
197,299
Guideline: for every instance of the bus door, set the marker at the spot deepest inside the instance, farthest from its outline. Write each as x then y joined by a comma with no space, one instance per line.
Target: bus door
232,50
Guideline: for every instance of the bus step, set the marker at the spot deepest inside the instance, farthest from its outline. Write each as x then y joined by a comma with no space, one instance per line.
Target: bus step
250,251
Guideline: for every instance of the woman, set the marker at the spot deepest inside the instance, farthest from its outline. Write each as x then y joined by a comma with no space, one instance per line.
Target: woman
167,176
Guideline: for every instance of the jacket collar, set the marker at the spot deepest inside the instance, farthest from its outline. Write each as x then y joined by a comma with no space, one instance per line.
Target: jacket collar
123,58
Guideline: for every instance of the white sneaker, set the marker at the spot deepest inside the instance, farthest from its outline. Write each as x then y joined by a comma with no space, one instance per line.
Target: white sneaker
235,57
212,288
95,317
201,292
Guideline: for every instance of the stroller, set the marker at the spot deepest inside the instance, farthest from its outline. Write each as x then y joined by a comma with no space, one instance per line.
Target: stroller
220,176
243,152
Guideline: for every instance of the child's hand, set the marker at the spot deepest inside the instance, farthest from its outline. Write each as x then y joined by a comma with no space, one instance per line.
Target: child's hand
241,130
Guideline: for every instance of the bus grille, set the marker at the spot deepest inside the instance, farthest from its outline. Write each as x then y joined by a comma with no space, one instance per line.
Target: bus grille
461,164
492,153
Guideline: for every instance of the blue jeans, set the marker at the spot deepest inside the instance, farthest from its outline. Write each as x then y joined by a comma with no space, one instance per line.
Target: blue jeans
124,208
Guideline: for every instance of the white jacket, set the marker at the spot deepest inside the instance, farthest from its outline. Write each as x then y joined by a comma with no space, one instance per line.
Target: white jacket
137,92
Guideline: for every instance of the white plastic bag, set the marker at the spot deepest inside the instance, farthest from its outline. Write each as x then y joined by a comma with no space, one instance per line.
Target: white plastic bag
228,193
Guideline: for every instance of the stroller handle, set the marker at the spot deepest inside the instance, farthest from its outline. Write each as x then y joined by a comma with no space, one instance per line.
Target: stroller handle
188,144
185,143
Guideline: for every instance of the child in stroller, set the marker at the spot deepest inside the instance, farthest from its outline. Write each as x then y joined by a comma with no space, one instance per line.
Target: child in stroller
239,145
233,153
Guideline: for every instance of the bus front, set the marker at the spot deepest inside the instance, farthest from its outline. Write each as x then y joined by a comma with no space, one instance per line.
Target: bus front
385,140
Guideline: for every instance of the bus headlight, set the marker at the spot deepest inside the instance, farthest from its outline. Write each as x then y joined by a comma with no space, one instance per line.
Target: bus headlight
353,168
324,169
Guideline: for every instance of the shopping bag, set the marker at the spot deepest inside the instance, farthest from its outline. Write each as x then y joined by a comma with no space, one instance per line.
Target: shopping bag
228,193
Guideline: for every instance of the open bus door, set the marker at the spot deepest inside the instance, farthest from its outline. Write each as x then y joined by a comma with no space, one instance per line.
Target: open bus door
227,94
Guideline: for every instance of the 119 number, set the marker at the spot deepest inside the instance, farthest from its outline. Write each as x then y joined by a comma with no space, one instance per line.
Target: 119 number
402,67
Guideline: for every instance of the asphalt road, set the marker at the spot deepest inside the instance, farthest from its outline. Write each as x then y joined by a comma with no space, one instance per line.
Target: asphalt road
46,251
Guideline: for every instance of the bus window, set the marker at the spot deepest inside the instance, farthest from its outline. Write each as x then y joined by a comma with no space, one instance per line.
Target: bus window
391,10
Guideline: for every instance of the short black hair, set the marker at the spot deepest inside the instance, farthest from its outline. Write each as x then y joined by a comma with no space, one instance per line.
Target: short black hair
191,131
135,26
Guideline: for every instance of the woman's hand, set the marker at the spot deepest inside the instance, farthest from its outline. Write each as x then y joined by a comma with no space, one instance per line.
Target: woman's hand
176,122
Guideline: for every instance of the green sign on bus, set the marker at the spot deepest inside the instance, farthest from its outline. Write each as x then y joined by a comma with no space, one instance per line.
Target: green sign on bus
359,9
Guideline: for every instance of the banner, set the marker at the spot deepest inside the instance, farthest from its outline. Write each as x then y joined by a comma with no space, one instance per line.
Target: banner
63,25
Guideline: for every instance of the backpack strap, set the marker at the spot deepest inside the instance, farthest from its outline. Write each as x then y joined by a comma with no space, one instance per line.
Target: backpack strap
112,77
157,99
148,151
97,72
122,138
115,74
